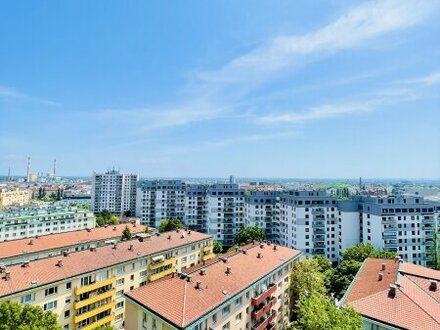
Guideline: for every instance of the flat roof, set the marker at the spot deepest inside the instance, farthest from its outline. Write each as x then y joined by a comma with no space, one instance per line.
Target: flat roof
17,247
181,303
45,271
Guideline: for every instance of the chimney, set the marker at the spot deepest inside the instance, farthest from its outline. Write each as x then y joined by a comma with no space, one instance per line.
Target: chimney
157,234
37,237
60,263
392,291
269,242
188,278
274,247
134,225
189,232
169,237
433,285
114,228
115,246
259,256
7,275
106,225
228,270
92,249
383,266
182,236
198,285
25,264
244,251
261,246
130,248
202,271
397,259
140,239
225,260
380,276
89,230
31,242
65,253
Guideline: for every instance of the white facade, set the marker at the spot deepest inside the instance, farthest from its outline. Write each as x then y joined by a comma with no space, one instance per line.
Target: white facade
114,192
24,223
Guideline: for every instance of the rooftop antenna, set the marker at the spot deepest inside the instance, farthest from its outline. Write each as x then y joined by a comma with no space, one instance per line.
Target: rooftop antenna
360,184
54,167
28,176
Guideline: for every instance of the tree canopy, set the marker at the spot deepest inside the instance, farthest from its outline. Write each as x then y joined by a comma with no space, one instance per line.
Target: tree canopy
218,247
126,234
26,317
249,234
170,224
106,218
363,251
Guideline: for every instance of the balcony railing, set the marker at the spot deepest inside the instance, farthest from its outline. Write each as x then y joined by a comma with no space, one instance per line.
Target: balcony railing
154,277
94,298
263,324
103,321
258,314
95,286
266,294
162,263
93,312
208,256
207,248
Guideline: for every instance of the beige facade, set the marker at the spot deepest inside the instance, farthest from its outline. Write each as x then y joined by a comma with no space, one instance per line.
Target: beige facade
13,197
88,300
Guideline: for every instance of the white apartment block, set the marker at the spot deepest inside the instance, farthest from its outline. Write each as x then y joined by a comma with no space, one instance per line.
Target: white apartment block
261,209
160,199
196,207
226,212
114,192
31,222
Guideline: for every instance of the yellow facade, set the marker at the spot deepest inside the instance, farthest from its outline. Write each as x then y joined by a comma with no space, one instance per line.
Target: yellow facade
81,299
10,197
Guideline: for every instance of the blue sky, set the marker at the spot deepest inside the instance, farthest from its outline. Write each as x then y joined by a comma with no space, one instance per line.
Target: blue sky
328,89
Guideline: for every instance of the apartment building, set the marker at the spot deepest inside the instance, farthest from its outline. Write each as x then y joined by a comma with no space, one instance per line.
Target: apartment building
27,249
404,224
114,192
261,209
226,211
196,207
86,288
349,231
160,199
14,197
249,289
308,221
393,294
30,222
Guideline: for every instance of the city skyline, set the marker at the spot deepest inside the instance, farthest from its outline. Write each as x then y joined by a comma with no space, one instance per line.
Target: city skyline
287,90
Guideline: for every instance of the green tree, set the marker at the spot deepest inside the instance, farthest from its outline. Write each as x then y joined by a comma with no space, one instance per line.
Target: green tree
218,247
363,251
248,234
127,213
27,317
106,218
325,267
105,327
126,234
317,312
436,251
170,224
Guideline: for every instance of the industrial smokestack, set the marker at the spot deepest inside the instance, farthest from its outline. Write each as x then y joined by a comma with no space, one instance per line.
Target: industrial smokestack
54,168
28,170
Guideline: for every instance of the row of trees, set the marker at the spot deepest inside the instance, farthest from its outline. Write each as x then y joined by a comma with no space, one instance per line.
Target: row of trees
106,218
52,197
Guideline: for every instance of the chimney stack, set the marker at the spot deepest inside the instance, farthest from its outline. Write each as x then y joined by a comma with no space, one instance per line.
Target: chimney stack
228,270
130,248
380,276
259,256
202,271
274,247
7,275
433,285
60,263
31,242
392,291
198,285
25,264
28,174
383,266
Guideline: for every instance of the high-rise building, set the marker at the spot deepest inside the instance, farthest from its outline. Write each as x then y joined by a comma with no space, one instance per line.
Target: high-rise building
160,199
196,207
261,209
114,192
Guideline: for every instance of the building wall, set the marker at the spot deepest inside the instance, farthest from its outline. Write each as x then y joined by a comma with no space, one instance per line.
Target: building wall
25,223
107,287
12,197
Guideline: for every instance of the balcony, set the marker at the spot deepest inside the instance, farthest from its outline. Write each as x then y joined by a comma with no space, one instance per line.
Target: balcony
93,312
93,299
261,325
103,321
207,248
258,314
162,263
272,326
266,294
208,256
154,277
94,286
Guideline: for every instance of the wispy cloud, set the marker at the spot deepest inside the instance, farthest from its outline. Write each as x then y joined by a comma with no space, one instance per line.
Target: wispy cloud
13,94
431,79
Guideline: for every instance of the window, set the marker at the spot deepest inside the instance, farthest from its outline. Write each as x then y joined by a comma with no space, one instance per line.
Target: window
119,305
51,291
143,273
226,326
50,306
214,319
68,285
119,317
67,314
67,300
238,302
120,281
120,269
28,298
119,293
225,310
238,318
66,327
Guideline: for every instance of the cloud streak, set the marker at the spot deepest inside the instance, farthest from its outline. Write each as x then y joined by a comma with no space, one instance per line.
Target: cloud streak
13,94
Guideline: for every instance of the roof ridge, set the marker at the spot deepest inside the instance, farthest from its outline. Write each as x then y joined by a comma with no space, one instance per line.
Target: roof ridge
431,297
423,309
184,303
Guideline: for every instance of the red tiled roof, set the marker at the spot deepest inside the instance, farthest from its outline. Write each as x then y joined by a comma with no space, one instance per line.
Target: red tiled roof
414,306
45,271
189,303
53,241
